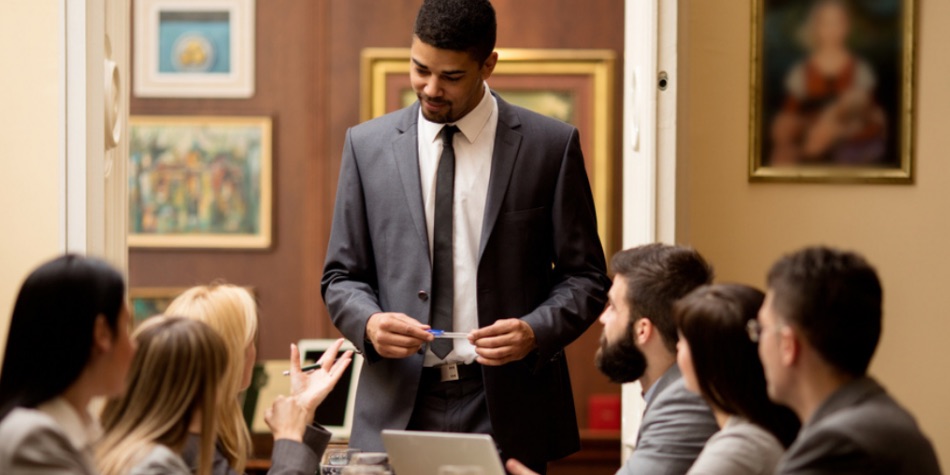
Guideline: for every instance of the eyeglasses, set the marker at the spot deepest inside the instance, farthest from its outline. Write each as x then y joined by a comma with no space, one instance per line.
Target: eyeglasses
754,329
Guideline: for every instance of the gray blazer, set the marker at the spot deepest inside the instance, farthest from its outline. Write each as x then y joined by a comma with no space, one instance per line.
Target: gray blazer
740,448
675,427
860,429
161,461
287,458
540,259
32,443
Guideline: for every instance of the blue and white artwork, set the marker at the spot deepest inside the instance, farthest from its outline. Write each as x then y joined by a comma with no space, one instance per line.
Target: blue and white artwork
194,42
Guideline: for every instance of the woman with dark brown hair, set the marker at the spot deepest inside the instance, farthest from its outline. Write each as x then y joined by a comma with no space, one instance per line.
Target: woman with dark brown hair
720,361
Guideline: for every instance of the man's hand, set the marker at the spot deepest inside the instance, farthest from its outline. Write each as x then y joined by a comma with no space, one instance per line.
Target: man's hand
503,342
311,388
517,468
396,335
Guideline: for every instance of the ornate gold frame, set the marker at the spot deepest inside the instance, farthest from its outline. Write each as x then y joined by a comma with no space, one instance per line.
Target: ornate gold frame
262,240
162,293
902,175
151,293
377,63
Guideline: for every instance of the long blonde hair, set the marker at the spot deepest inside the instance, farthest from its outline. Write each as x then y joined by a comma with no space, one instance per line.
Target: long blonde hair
231,311
173,378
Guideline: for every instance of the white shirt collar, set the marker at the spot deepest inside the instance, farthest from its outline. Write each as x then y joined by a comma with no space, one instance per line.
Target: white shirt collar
80,433
471,125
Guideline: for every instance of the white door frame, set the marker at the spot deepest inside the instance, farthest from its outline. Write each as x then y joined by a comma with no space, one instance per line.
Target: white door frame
96,65
649,147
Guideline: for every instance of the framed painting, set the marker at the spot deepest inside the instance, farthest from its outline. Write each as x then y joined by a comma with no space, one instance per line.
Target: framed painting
832,91
199,182
194,48
575,86
147,302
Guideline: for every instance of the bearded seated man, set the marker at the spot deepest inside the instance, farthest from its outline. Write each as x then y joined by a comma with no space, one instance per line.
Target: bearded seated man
639,344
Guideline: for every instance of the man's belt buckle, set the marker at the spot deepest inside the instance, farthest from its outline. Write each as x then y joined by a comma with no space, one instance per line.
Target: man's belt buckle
450,372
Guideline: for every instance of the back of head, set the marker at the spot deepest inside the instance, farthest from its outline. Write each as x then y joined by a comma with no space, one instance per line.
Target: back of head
174,376
714,319
834,299
658,275
231,312
458,25
51,331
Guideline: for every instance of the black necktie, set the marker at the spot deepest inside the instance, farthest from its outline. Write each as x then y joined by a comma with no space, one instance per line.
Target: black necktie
443,268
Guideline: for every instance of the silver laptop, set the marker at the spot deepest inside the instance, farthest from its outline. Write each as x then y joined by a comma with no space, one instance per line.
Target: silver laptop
422,453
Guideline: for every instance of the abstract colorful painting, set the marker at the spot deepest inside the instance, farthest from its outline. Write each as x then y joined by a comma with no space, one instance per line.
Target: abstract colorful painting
200,182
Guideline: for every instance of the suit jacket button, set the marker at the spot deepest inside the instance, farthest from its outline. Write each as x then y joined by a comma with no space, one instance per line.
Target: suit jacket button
423,295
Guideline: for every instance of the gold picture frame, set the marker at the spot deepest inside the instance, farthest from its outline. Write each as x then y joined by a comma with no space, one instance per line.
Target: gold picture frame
200,182
576,86
145,302
878,144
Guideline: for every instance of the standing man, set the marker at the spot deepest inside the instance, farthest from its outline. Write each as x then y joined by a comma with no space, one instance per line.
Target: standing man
464,213
817,331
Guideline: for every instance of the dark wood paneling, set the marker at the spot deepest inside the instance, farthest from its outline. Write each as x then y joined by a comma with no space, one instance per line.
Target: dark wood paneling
308,81
291,87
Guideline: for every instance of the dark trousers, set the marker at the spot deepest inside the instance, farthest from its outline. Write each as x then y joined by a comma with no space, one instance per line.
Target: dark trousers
456,406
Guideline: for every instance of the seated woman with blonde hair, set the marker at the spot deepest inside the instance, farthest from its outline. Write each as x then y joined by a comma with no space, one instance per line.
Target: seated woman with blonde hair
173,386
232,312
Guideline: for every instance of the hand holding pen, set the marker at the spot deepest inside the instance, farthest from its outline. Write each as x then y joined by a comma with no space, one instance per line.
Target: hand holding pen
312,387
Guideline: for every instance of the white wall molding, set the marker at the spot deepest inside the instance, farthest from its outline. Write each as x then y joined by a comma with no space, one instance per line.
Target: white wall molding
95,178
649,147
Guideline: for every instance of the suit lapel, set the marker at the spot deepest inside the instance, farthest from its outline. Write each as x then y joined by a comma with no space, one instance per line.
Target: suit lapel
406,156
507,144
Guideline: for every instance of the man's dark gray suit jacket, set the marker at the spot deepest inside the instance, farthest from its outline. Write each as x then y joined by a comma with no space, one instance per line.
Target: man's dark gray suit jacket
540,259
860,429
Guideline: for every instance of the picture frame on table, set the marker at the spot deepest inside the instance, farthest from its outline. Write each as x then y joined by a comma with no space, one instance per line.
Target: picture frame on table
194,48
575,86
200,182
832,91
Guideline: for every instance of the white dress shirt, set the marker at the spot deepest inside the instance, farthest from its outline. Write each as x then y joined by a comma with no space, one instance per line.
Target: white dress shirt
473,157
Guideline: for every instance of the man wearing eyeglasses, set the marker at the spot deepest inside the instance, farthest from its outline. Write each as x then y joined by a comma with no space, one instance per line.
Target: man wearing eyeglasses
817,331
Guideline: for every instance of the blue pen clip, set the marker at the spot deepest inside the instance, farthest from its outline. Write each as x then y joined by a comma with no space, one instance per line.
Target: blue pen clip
445,334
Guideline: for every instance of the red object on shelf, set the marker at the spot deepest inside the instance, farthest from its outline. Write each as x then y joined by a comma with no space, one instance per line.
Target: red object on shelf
603,411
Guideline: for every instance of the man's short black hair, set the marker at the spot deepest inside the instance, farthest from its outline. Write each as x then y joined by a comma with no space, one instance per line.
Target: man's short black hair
657,276
834,298
458,25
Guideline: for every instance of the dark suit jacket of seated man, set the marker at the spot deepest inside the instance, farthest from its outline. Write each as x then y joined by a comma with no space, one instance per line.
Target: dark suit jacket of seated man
540,260
861,430
820,325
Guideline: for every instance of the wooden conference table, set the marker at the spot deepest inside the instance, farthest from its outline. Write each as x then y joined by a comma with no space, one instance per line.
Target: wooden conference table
599,455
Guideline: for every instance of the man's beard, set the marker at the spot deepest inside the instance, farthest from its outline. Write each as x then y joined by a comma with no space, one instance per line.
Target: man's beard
443,117
621,362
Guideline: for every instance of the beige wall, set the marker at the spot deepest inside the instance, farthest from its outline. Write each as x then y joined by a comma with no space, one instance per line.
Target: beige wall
30,50
903,230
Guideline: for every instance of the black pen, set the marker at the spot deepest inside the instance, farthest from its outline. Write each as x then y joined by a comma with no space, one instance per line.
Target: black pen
311,367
